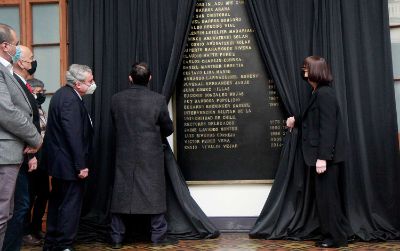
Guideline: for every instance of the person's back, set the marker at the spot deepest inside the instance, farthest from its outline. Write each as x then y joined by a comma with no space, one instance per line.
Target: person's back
141,120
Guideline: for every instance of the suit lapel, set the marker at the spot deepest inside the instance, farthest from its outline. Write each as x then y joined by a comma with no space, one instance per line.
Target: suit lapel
14,80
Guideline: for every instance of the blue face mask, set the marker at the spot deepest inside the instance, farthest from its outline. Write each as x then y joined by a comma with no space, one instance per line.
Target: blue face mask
17,54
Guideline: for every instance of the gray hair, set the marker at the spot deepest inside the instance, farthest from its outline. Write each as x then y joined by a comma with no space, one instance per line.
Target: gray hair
34,82
5,33
76,73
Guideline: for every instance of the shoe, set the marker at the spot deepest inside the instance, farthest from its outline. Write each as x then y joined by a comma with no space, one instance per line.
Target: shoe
352,239
166,241
329,244
47,248
39,235
116,245
30,240
64,249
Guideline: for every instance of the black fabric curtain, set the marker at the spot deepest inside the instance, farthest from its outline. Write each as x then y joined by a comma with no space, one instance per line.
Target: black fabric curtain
109,36
354,37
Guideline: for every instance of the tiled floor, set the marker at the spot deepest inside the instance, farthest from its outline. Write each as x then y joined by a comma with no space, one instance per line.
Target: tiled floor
230,241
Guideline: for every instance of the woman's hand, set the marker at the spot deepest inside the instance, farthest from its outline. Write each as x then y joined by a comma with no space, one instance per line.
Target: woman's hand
290,123
320,166
32,164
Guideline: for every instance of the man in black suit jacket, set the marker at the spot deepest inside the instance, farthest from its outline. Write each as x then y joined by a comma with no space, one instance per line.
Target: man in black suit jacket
141,121
66,151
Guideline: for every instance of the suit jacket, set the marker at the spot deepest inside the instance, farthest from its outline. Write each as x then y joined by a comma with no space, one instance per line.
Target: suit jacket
68,136
323,134
16,128
32,102
141,120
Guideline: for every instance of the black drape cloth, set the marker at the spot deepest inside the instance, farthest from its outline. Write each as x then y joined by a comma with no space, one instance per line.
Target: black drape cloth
354,37
109,36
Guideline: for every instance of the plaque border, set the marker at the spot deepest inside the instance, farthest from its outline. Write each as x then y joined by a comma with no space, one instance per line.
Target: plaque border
227,182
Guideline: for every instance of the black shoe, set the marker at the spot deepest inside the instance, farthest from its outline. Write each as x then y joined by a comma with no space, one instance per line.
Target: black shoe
64,249
166,241
39,235
329,244
116,245
352,239
30,240
47,248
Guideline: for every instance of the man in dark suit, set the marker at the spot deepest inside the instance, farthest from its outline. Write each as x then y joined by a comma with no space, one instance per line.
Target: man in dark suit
66,153
15,227
141,121
18,135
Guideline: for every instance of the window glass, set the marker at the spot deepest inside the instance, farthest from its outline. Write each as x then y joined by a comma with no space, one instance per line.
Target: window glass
10,15
45,23
48,69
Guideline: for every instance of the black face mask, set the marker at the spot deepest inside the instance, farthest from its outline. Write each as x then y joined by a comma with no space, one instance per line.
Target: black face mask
40,98
32,70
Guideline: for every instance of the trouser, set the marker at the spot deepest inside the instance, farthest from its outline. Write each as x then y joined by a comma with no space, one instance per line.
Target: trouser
39,195
8,179
158,227
64,211
333,222
15,226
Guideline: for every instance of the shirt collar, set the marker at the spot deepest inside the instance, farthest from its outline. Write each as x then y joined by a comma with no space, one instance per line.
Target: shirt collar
77,93
23,79
6,64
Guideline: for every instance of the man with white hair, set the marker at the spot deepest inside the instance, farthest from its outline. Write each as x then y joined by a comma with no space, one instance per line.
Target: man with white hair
66,154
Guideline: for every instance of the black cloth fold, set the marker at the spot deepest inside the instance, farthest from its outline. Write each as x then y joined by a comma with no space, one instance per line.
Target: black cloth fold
354,37
109,36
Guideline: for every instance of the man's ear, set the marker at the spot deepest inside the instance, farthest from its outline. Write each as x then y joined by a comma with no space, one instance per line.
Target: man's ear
150,78
130,78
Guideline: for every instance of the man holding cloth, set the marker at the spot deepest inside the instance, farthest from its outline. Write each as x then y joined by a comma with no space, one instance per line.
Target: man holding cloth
141,121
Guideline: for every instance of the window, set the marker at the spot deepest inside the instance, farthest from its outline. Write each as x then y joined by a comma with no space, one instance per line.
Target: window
42,26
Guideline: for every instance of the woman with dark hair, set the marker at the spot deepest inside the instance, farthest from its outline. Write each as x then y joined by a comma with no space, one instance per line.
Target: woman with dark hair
323,144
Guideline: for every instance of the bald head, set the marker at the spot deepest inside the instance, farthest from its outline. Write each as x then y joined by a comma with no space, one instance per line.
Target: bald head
24,63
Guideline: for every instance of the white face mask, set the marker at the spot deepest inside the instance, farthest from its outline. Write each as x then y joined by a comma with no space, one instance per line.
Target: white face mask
91,88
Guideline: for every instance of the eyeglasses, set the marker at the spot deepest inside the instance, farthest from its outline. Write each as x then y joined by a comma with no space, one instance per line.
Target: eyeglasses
29,62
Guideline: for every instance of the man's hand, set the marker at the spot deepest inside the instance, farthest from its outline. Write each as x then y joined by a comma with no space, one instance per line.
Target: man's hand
30,149
290,123
32,164
83,173
320,166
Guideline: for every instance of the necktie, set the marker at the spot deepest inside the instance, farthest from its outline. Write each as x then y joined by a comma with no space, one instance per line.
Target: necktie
29,87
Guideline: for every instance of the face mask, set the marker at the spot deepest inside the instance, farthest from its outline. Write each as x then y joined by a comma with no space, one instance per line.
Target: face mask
32,70
91,88
17,54
40,98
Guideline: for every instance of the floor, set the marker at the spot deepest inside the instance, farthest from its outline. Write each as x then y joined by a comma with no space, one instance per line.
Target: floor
235,241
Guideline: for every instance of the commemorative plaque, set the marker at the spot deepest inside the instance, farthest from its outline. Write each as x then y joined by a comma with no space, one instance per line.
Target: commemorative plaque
230,122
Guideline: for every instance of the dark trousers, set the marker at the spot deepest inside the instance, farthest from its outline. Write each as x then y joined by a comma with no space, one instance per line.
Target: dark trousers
15,226
333,222
158,223
64,211
39,194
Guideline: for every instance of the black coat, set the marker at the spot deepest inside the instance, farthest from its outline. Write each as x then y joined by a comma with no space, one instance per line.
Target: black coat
323,134
68,136
141,120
